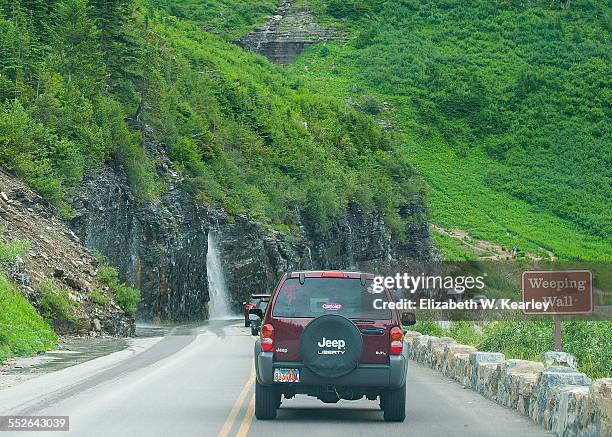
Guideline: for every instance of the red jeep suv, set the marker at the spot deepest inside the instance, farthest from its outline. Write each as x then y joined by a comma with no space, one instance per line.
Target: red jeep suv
329,335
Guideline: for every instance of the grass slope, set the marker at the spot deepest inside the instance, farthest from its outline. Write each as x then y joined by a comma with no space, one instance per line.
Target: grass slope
509,126
23,332
243,132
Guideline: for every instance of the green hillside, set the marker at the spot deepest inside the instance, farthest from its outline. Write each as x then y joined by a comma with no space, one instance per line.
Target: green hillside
504,107
81,82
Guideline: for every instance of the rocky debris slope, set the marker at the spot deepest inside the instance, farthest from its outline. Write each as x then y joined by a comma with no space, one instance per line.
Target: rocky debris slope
553,393
161,247
287,34
55,254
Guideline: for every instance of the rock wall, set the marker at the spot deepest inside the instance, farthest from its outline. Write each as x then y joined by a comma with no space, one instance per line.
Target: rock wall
254,257
161,248
552,393
287,34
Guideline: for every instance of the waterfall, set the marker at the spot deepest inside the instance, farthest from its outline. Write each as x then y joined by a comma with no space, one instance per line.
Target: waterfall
219,303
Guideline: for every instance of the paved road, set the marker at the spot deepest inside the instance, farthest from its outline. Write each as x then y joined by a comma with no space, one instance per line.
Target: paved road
199,382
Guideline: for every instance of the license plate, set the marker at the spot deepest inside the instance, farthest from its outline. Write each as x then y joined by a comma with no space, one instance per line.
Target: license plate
286,375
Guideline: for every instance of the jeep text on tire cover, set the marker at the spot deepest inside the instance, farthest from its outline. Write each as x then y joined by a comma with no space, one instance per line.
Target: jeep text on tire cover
322,336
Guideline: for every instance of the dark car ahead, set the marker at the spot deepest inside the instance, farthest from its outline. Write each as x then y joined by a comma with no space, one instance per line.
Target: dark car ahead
256,315
252,303
326,334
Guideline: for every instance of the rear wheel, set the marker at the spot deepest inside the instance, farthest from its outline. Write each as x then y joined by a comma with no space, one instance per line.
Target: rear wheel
246,322
394,404
254,330
341,353
267,401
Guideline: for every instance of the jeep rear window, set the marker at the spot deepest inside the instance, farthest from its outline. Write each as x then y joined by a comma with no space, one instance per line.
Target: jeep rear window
318,296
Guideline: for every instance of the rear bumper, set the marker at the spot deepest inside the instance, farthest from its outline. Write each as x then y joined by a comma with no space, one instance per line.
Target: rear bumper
392,375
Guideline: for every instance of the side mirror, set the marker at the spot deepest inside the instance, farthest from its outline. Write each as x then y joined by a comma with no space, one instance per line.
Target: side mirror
408,319
255,322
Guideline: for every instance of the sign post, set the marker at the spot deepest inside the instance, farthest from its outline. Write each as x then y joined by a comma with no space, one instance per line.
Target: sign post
557,333
557,293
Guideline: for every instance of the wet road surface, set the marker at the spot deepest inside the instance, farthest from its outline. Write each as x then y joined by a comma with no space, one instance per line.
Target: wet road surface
199,381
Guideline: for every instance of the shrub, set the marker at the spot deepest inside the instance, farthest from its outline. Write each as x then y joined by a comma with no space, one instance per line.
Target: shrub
100,257
127,298
371,105
56,305
428,327
465,332
588,341
9,252
98,297
108,276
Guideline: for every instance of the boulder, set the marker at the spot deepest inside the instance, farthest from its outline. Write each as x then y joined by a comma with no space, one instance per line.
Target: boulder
487,379
437,357
450,350
511,374
477,358
568,409
559,359
419,350
524,384
409,337
543,398
460,369
435,353
597,421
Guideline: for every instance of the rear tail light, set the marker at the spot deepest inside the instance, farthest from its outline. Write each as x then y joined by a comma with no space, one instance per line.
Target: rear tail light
267,338
397,340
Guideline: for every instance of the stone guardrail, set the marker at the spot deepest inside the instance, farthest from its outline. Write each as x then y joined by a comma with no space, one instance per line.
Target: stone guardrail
553,393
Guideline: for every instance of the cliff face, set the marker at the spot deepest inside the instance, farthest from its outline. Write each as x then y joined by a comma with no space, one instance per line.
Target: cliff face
287,34
161,248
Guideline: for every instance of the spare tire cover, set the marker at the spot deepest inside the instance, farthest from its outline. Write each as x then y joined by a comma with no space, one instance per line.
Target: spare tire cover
331,345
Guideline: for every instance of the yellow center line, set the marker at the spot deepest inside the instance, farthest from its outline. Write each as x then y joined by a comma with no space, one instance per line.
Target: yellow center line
227,426
242,331
248,418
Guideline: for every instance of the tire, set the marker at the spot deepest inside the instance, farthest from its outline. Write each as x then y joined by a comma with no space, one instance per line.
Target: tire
342,352
394,404
246,322
267,401
254,330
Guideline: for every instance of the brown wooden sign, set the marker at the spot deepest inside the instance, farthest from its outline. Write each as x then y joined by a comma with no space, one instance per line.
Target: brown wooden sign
557,292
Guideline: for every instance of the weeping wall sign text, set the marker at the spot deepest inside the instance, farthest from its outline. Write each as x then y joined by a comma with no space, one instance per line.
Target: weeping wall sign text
562,291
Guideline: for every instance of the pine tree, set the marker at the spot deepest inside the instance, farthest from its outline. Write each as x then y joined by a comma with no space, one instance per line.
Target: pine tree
20,51
74,42
121,43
